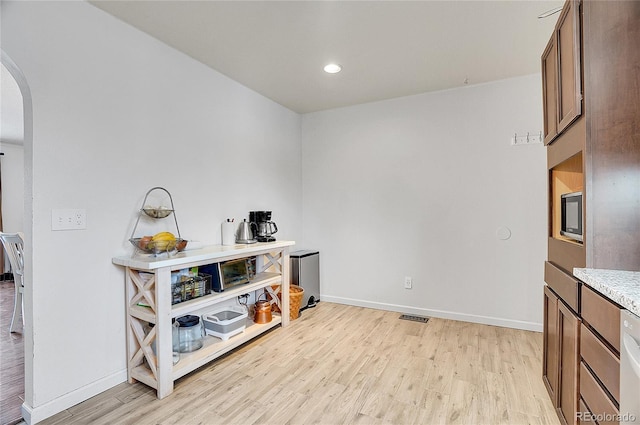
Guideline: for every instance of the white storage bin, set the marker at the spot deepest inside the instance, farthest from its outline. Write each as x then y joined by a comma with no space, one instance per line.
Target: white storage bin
225,322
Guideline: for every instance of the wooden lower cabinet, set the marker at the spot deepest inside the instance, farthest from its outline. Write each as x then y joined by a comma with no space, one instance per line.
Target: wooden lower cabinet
550,344
602,409
584,415
561,356
569,338
599,350
602,315
604,363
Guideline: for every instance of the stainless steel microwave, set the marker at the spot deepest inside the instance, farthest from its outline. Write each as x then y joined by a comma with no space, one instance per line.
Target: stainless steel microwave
572,217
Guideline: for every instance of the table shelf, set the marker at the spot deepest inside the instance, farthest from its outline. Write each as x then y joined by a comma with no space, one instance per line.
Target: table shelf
214,347
148,282
260,281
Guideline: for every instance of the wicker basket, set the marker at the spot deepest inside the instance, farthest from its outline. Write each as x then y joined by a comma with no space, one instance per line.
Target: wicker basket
296,293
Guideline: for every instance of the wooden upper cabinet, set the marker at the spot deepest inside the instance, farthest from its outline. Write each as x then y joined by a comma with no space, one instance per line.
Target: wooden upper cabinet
569,81
550,90
561,73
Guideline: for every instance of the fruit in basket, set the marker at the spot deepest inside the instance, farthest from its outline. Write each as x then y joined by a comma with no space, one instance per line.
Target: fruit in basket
163,241
181,245
164,236
157,212
143,243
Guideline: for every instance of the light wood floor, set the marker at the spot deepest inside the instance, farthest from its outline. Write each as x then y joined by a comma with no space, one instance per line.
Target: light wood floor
11,360
338,364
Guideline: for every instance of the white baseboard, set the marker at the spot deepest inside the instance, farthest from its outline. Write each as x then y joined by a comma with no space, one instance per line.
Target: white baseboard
464,317
33,415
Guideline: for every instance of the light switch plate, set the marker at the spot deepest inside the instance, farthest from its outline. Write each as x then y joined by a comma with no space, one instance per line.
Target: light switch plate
68,219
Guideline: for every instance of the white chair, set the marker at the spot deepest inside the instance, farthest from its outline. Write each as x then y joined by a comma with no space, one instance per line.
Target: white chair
13,244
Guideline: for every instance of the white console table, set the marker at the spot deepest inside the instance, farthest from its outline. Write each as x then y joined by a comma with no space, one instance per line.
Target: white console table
148,282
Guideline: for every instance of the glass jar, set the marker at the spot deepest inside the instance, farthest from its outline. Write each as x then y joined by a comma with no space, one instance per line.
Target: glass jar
191,333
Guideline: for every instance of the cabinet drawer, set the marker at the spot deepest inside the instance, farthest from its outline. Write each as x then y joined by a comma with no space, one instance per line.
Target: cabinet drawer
566,286
596,399
602,315
604,363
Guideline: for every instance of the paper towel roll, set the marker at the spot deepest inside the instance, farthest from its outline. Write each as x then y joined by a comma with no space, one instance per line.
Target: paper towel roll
228,233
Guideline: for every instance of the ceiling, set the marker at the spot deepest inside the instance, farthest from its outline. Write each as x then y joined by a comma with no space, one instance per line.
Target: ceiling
387,48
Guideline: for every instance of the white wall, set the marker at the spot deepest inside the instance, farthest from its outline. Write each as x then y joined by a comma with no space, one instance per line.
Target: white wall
115,113
418,186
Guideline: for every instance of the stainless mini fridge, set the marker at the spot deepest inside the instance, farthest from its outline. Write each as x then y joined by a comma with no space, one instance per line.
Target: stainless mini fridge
305,272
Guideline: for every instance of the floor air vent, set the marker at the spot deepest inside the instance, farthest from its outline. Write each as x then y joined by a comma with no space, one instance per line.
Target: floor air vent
414,318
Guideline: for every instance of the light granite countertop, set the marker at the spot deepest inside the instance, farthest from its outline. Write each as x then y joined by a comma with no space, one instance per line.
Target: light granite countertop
622,287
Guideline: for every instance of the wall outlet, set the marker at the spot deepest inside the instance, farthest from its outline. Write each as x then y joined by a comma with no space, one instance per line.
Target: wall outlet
408,282
68,219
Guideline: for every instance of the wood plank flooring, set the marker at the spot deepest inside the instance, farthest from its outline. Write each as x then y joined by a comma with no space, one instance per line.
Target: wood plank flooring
11,360
340,364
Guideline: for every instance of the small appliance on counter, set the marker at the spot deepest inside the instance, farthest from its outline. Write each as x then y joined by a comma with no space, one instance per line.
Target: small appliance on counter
263,227
245,234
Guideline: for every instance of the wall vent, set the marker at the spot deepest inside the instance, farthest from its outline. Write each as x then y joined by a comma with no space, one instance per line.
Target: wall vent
414,318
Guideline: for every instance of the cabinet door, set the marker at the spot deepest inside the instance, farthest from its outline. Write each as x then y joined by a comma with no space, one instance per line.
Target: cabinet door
569,340
569,80
550,89
550,353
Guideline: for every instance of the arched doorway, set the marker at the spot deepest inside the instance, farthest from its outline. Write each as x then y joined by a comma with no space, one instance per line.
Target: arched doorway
22,154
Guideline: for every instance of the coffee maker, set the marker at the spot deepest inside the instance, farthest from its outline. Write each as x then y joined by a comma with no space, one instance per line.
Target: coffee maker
264,227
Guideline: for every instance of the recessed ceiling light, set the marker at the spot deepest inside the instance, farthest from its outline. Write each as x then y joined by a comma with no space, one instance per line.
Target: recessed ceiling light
332,68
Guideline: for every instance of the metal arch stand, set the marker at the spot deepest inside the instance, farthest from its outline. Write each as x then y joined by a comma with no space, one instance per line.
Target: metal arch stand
142,211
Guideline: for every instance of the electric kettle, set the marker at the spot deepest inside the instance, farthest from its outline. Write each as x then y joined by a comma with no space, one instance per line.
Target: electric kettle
244,234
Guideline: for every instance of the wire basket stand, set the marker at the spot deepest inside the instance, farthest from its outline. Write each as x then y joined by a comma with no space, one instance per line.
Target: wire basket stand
156,213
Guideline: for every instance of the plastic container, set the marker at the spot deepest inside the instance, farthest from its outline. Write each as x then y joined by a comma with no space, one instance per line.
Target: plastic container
225,322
